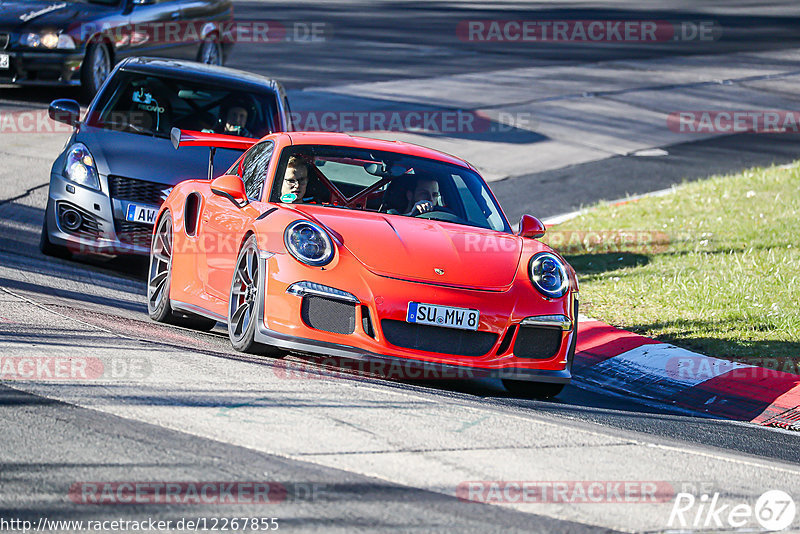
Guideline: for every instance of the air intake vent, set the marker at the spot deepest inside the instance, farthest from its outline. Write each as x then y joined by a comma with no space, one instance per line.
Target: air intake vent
537,342
438,339
328,314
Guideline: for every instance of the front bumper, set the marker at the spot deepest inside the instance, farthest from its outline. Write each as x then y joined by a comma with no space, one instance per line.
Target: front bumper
99,234
294,335
51,68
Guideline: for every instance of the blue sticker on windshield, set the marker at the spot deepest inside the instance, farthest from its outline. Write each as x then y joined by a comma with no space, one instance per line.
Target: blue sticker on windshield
288,198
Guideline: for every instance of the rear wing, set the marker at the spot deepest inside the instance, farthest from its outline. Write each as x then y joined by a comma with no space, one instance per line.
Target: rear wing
212,140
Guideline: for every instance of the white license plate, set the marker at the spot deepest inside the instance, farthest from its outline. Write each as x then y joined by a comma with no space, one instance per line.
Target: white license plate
4,63
447,316
141,214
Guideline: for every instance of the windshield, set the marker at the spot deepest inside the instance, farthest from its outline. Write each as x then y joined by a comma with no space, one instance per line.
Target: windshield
386,182
150,104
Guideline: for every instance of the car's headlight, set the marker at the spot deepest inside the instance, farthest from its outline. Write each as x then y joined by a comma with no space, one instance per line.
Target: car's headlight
549,275
80,168
47,40
308,243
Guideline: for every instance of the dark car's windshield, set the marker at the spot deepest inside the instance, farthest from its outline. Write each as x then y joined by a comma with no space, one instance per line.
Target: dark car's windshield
151,104
388,182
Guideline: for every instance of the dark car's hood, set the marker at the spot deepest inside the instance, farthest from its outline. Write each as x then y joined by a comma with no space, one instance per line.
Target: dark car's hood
33,15
150,158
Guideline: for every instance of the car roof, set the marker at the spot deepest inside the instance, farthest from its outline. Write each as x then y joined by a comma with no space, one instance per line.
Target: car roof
368,143
195,70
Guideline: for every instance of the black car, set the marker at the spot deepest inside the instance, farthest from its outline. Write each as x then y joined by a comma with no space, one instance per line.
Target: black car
77,42
120,165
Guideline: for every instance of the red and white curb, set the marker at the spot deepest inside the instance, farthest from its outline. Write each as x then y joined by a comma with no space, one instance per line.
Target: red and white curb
622,362
627,363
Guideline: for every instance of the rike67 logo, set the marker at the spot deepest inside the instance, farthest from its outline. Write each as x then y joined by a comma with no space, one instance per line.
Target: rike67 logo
774,510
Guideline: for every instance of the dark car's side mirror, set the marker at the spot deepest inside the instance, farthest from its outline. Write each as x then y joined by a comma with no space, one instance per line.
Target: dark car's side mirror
231,187
530,226
65,110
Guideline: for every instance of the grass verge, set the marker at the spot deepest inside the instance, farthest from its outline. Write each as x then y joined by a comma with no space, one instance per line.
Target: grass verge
713,266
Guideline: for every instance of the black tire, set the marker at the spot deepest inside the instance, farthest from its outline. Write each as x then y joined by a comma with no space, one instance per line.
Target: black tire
159,280
48,248
243,302
210,51
97,64
532,390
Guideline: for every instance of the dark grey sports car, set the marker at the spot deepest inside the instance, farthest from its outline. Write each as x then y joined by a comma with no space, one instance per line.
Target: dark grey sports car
120,164
77,42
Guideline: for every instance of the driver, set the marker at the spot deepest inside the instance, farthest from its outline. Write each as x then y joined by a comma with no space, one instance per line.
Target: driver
236,122
422,195
295,181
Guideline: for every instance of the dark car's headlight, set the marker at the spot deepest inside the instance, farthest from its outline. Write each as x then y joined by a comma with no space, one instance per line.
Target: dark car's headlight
48,40
308,243
80,168
549,275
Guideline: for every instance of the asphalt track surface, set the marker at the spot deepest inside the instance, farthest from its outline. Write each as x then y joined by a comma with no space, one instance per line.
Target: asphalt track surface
180,422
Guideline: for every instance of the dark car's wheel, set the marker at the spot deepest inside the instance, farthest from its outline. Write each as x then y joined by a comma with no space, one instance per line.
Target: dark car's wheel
48,248
244,299
532,390
159,278
210,51
96,68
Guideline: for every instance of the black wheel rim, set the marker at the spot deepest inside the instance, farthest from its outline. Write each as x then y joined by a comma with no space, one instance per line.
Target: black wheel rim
160,264
244,292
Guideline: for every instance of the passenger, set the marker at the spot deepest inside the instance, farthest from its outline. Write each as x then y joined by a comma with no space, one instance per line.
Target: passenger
295,181
421,195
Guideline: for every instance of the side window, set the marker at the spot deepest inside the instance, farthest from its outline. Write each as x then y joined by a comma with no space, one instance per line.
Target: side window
254,169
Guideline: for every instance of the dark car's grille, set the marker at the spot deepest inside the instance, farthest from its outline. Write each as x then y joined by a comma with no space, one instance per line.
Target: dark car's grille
437,339
3,41
328,314
151,193
134,233
537,342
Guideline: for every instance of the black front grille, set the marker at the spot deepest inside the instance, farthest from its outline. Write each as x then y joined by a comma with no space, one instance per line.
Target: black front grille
89,226
133,233
150,193
3,41
328,314
437,339
537,342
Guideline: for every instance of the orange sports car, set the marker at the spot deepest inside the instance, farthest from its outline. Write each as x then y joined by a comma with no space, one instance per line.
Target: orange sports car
363,249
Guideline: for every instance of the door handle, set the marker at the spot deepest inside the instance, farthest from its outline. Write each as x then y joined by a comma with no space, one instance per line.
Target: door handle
175,15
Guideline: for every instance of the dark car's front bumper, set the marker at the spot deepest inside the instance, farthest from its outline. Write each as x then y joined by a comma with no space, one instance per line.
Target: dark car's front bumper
52,67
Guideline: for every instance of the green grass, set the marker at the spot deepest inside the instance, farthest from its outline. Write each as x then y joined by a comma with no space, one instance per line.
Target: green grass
713,267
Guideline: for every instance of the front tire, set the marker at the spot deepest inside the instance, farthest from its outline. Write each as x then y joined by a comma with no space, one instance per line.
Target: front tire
243,301
210,51
159,280
48,248
96,68
532,390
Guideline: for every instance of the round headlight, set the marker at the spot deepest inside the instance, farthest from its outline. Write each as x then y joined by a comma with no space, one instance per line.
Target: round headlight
308,243
80,168
549,275
49,40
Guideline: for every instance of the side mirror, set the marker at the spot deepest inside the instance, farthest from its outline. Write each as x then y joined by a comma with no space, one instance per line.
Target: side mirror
65,110
530,226
231,187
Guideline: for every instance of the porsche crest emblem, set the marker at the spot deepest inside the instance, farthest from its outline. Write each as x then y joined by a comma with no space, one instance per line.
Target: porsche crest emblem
438,271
